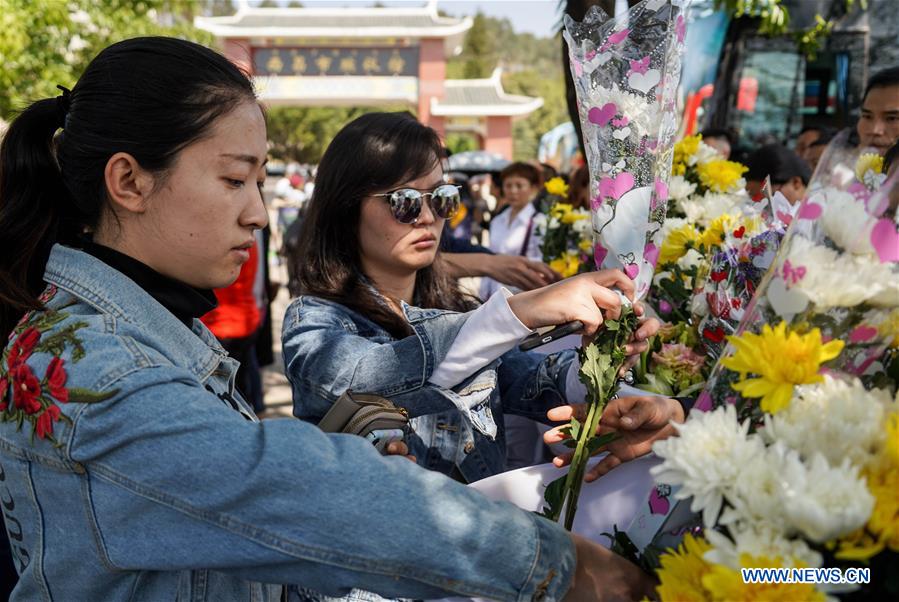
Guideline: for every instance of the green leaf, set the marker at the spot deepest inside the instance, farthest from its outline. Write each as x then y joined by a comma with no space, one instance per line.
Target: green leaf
611,325
597,442
574,428
87,396
554,496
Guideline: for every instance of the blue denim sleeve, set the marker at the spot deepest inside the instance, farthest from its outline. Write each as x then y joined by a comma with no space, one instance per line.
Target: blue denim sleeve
531,383
289,504
325,354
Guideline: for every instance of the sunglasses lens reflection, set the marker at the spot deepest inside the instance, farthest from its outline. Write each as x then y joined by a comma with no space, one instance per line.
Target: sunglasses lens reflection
406,205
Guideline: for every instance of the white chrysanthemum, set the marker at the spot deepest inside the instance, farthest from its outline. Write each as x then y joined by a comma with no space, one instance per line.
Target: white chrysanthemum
835,418
759,541
670,225
659,276
706,458
704,154
642,114
679,189
540,223
692,258
554,223
699,306
821,501
702,210
831,279
846,222
757,496
582,227
889,279
733,202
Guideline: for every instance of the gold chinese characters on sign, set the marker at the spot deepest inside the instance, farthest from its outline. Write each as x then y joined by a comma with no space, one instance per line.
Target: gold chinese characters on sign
336,61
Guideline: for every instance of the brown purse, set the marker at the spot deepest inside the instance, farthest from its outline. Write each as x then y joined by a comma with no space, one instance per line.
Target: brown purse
366,415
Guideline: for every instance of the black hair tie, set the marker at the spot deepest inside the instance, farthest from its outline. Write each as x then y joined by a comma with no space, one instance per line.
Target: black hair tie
63,102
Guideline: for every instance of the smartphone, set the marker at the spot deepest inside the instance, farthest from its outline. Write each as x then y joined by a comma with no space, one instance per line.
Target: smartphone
539,339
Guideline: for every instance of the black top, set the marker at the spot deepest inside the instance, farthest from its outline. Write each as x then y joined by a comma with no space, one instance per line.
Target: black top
184,301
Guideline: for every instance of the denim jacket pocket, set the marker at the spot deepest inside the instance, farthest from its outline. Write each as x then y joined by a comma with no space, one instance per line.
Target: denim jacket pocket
472,398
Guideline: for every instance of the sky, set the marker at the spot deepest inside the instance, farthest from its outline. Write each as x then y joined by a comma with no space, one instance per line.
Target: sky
538,17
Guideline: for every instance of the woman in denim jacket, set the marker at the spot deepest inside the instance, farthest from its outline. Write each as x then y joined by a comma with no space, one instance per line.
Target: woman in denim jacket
130,469
377,311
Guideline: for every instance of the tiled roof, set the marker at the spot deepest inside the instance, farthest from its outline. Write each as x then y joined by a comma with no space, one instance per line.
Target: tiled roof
482,97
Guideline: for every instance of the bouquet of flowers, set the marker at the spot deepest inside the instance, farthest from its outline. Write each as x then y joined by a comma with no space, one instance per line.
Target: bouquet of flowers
802,423
813,486
565,233
626,71
711,219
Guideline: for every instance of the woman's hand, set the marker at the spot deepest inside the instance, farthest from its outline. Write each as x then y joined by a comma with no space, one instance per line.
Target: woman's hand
639,422
399,448
581,297
648,327
601,575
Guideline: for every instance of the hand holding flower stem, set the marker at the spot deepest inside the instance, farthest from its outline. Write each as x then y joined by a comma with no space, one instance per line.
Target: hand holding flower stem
601,361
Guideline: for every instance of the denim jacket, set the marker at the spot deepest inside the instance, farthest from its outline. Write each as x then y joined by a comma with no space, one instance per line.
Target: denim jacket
131,470
329,348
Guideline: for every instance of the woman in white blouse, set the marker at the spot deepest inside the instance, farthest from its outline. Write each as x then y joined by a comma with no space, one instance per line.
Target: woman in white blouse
512,230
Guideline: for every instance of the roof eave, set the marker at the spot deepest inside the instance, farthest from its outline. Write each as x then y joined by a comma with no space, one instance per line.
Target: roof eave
516,110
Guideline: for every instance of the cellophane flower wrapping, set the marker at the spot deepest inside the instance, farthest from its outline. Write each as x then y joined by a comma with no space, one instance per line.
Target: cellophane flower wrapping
626,72
790,458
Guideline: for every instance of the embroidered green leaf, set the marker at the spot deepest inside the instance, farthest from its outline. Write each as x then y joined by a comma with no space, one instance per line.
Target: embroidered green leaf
87,396
48,320
56,343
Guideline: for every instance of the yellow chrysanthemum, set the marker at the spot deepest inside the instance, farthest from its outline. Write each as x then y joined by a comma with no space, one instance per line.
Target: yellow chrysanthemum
714,234
574,216
566,213
721,175
726,584
557,186
686,148
677,243
683,151
682,572
889,328
868,162
882,530
781,359
585,245
566,265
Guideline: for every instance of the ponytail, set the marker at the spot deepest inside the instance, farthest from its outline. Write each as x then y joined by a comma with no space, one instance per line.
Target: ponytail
33,202
148,97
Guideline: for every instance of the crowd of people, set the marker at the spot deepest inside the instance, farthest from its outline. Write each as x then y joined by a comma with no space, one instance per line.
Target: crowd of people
136,297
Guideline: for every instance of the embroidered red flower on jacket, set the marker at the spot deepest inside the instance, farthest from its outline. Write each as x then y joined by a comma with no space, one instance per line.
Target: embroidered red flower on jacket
56,379
22,347
44,426
4,390
26,389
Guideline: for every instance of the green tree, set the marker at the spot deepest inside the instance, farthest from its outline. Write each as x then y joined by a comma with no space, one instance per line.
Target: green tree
532,67
220,8
303,133
47,42
461,142
478,50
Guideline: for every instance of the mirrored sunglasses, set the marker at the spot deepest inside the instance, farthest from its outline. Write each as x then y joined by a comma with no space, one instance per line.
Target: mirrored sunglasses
405,203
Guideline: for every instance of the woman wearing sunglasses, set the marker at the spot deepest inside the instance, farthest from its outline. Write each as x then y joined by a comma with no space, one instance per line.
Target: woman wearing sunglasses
125,450
378,315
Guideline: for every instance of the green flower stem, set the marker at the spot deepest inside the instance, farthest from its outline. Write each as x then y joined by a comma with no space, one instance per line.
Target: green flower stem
579,462
600,362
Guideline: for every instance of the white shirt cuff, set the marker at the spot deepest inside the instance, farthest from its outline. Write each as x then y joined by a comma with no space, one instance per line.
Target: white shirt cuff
490,331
